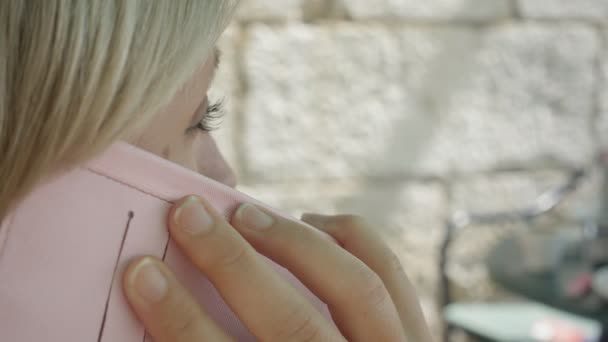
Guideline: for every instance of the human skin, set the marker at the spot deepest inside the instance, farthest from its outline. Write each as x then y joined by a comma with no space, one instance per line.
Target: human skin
361,280
173,133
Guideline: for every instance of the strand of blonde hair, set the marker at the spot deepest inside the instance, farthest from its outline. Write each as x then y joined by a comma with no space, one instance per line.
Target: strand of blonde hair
77,75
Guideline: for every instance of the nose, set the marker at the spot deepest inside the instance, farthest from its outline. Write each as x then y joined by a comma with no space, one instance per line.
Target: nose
212,163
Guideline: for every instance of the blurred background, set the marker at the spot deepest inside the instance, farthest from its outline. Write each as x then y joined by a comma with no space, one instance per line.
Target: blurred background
409,111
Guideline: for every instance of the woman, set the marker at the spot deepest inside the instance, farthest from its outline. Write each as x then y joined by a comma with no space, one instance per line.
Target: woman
76,76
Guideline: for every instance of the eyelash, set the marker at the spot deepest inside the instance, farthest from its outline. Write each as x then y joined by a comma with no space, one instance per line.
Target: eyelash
212,119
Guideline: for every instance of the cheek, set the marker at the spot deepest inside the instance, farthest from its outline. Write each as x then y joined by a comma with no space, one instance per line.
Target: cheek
197,152
210,162
164,137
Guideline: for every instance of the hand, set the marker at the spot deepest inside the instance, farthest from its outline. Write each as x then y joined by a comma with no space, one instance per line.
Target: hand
361,280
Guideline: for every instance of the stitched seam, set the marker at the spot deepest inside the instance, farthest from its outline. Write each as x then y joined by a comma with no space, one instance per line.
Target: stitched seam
120,250
147,193
122,182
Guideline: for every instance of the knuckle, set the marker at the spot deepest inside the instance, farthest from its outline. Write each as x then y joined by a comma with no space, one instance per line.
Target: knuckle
182,321
303,234
185,329
371,289
299,326
236,258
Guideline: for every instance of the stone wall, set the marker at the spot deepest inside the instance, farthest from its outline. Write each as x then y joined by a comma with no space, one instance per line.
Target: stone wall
405,111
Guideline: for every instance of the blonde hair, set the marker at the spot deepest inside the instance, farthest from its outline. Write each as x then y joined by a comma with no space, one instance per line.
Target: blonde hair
77,75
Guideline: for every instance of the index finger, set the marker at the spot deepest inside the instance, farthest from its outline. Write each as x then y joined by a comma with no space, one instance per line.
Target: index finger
356,236
165,307
269,306
358,299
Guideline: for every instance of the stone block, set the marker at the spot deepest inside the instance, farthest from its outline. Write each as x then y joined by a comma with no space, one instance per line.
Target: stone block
348,101
564,9
428,10
260,10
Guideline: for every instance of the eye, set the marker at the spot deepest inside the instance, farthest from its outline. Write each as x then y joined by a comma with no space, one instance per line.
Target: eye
212,119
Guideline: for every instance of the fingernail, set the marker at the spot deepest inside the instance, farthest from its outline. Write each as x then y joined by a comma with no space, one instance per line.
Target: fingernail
253,217
192,217
150,284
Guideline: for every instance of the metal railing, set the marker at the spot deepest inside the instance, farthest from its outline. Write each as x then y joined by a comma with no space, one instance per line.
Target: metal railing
542,205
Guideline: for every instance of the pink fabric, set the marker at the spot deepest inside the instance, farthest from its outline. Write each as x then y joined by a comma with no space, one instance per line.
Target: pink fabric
63,250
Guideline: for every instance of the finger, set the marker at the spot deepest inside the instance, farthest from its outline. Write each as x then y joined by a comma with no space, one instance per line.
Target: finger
357,237
269,306
167,310
357,298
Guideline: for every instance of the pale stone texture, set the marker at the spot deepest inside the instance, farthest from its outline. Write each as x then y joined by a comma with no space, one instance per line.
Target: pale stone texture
601,129
429,9
509,190
269,9
347,101
584,203
593,9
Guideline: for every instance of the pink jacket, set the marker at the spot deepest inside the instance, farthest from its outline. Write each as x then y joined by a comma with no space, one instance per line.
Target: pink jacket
63,250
